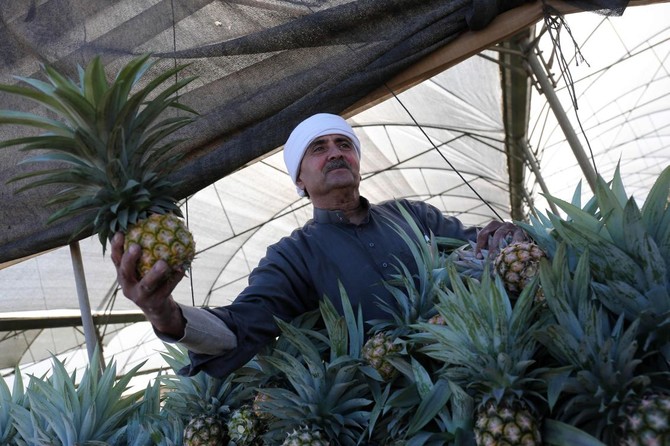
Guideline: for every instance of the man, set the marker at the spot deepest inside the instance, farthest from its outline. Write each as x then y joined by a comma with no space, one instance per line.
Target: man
349,242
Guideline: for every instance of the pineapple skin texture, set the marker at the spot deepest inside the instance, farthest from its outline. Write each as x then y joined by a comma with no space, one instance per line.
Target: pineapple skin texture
204,431
305,437
503,426
518,264
375,351
647,422
161,237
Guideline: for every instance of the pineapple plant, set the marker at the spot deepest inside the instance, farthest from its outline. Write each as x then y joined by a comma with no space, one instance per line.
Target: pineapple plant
629,251
108,148
609,280
413,301
8,399
487,349
516,262
203,403
63,409
605,383
326,398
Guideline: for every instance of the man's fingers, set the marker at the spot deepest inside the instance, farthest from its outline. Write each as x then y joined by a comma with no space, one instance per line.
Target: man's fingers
127,268
117,248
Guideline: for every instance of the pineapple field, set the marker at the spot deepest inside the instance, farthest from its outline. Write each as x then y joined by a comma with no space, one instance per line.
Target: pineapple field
571,349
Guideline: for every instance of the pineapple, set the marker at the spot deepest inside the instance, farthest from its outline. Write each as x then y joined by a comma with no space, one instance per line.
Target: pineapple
107,148
243,427
305,437
517,264
487,348
645,421
613,391
259,399
205,430
203,403
378,351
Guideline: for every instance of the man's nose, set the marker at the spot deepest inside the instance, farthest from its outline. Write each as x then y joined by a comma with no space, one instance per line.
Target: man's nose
334,150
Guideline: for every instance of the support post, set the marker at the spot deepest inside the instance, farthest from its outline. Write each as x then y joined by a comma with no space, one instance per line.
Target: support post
84,303
530,157
570,135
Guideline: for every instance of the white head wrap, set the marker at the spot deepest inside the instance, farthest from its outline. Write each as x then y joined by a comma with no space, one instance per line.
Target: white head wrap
307,131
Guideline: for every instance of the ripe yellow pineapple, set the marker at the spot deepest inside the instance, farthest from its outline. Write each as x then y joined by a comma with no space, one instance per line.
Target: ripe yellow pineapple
162,236
108,148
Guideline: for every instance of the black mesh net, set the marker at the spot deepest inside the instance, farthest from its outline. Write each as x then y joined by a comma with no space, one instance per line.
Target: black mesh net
263,65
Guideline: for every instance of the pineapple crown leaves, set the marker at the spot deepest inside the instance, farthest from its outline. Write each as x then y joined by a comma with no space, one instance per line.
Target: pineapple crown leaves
414,295
330,395
201,393
10,399
486,344
466,262
600,365
656,213
629,247
108,139
345,334
93,410
555,432
406,409
433,399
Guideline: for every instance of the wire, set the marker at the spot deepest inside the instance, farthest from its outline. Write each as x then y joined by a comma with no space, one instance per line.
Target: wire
554,21
420,127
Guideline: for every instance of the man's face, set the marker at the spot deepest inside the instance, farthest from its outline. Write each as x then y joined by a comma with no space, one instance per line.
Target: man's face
330,162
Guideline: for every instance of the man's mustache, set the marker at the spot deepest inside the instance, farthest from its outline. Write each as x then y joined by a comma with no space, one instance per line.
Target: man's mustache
336,164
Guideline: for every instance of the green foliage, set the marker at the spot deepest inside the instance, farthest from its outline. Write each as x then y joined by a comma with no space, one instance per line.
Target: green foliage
108,145
586,360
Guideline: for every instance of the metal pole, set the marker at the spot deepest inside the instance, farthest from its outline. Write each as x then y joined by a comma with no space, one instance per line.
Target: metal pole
84,303
536,171
568,130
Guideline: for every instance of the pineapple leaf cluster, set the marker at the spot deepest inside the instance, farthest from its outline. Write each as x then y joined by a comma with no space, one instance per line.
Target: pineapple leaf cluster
106,143
469,361
326,390
63,410
607,291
